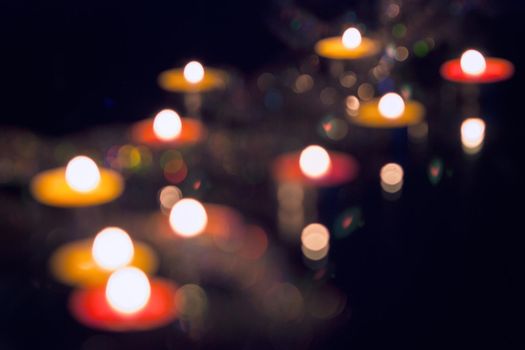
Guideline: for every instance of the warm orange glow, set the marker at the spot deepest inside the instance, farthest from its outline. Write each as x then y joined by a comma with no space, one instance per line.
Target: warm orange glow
167,125
314,161
351,38
391,106
472,134
473,63
82,174
193,72
128,290
315,241
112,248
188,217
391,177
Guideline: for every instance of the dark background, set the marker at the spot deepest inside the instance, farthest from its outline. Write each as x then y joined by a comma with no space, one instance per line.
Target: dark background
442,268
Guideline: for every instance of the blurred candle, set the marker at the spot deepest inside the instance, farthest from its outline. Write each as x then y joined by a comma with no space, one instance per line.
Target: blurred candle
390,111
314,161
128,290
80,183
193,72
472,135
168,129
351,45
315,241
473,67
193,77
391,175
112,248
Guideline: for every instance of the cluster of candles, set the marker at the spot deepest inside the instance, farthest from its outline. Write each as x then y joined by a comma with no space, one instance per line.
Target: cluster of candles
113,272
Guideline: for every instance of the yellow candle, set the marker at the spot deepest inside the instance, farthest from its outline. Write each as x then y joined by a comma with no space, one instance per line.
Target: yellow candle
76,264
350,46
79,184
192,78
390,111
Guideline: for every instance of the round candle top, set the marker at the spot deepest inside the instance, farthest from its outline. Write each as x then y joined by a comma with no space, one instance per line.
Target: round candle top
87,263
390,111
473,67
314,161
167,125
192,78
315,168
168,131
112,248
188,217
79,184
351,45
92,308
128,290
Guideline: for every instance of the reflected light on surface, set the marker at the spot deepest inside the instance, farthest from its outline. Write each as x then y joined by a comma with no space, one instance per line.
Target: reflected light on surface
112,248
391,177
472,134
391,105
167,125
351,38
193,72
315,241
82,174
314,161
128,290
472,62
188,217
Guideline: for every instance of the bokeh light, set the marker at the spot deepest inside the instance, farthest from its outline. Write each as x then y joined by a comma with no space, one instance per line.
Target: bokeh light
472,134
391,175
188,217
314,161
82,174
167,125
168,196
315,240
112,248
128,290
391,105
351,38
193,72
473,63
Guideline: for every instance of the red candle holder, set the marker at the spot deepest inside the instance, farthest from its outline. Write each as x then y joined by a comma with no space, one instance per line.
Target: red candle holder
343,168
90,307
192,132
497,69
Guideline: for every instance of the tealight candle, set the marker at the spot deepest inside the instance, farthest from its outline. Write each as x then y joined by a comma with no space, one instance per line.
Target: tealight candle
128,302
194,77
81,183
89,263
472,135
314,165
473,67
168,129
351,45
390,111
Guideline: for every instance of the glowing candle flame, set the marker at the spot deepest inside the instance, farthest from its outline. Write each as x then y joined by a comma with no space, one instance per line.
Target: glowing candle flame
314,161
351,38
167,125
128,290
188,217
472,62
112,248
472,132
194,72
82,174
391,105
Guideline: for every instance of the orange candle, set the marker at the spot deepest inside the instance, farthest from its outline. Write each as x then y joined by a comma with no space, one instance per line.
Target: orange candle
350,46
80,184
194,77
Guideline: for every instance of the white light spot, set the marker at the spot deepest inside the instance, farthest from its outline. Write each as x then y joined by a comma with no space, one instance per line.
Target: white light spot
188,217
314,161
112,248
473,63
391,106
82,174
351,38
194,72
167,125
128,290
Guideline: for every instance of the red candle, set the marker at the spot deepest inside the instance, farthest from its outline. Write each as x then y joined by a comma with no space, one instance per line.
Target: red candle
91,308
316,167
167,129
473,68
